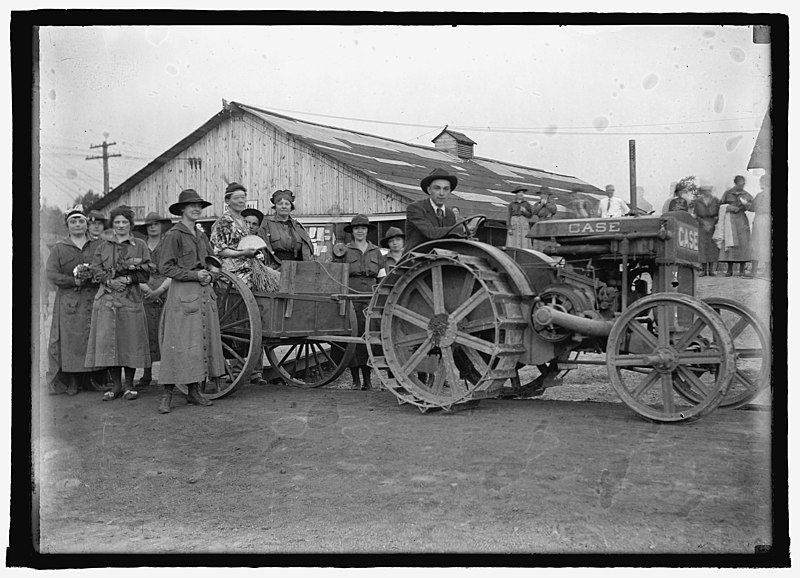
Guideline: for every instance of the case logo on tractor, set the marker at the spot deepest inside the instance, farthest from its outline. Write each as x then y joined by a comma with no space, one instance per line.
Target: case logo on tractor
687,238
594,227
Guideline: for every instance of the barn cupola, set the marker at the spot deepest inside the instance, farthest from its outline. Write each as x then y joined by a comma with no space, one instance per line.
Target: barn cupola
455,143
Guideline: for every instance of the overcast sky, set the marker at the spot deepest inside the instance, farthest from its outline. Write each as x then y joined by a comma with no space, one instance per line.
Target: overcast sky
563,99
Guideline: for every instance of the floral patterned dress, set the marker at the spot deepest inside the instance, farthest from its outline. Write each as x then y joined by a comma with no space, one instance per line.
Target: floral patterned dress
226,233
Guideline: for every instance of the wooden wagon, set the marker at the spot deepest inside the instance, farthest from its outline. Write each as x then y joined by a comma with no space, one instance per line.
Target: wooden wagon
307,330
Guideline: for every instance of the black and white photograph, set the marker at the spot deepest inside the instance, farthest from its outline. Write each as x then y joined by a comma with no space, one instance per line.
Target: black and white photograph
403,285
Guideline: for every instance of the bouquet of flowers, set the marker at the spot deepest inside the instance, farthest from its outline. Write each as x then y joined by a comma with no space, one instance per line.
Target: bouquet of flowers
123,266
82,272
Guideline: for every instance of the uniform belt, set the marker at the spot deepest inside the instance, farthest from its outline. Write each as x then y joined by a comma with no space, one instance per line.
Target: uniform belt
363,275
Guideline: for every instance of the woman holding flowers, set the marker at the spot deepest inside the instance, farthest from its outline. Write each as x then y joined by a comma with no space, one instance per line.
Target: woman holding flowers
118,335
68,269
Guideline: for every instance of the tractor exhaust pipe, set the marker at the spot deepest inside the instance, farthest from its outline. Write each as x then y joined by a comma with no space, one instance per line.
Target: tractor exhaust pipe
546,315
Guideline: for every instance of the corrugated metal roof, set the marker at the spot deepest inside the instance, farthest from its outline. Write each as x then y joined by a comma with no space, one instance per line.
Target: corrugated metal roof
484,185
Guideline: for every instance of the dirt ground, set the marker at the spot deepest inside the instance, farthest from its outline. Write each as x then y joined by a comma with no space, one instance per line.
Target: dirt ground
276,469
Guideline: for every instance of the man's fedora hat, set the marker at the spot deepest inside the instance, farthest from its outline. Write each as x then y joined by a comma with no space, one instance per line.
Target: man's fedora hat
438,174
187,197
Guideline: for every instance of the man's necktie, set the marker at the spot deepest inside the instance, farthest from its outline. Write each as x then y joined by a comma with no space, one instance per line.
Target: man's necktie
440,215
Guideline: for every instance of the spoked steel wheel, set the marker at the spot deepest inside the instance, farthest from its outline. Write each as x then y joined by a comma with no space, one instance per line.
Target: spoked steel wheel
662,342
311,362
451,330
240,332
752,352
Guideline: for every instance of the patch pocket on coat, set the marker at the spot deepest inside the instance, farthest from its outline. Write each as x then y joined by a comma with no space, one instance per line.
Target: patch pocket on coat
70,302
190,304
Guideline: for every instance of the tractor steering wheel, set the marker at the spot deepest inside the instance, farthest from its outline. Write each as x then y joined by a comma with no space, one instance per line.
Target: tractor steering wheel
481,220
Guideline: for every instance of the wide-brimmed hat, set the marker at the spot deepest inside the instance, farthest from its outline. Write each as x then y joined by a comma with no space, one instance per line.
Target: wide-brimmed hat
359,221
153,217
253,212
187,197
545,190
438,174
96,215
391,234
518,190
233,187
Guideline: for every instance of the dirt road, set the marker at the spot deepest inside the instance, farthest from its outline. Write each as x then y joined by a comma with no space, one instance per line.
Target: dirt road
277,469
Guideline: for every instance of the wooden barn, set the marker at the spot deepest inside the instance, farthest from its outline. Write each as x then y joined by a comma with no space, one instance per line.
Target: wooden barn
334,173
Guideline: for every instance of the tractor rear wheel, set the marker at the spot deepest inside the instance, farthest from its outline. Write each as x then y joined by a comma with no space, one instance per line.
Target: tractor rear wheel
447,328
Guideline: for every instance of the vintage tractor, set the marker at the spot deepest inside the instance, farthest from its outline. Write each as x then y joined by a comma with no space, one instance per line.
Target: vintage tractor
456,320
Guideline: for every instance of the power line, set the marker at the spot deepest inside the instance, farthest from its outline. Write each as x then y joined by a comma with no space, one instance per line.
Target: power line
515,129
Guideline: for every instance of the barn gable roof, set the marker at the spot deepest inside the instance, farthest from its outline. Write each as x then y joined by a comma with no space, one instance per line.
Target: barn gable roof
484,185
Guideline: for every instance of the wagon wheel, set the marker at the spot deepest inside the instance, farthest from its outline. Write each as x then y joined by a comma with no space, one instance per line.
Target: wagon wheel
752,353
240,332
451,330
658,340
312,362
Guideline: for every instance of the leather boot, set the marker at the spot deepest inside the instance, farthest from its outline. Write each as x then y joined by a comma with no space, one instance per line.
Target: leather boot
366,371
72,388
194,397
356,377
165,406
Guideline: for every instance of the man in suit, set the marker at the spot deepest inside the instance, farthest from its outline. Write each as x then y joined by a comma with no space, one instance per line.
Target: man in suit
429,218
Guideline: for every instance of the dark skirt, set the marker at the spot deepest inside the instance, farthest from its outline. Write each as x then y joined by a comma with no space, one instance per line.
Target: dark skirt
709,252
152,311
361,285
741,232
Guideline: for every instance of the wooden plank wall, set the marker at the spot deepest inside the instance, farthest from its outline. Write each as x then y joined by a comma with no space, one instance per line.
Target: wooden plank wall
263,158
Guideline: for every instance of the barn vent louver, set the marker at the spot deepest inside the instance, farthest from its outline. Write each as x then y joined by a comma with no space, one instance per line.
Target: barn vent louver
455,143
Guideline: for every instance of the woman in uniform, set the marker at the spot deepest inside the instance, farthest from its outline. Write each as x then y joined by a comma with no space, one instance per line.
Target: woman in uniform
519,211
394,240
68,269
365,262
286,238
191,348
118,336
738,201
153,228
706,211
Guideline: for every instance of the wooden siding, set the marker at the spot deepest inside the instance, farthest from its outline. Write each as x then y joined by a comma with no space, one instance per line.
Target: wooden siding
264,159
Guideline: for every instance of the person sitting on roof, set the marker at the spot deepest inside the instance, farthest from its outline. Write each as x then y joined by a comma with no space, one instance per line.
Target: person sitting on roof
429,218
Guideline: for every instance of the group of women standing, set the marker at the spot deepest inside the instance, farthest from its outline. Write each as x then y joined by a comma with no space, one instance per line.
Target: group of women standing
521,215
724,229
99,321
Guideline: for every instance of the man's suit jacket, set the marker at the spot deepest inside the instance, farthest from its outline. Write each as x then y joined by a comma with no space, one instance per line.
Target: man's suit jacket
422,224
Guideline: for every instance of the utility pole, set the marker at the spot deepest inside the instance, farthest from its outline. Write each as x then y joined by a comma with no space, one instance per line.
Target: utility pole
105,156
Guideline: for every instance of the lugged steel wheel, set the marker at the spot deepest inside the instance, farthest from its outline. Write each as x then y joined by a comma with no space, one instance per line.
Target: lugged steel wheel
309,362
655,347
240,332
450,330
753,354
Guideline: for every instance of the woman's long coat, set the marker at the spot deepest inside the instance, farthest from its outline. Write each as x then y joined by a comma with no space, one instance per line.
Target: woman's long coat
118,336
191,348
72,308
